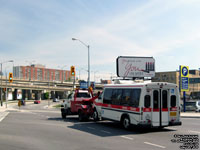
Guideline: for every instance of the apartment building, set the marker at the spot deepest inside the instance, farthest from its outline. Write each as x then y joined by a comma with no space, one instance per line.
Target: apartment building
40,73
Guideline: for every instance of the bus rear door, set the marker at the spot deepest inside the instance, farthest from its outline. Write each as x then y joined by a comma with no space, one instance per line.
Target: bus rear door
160,107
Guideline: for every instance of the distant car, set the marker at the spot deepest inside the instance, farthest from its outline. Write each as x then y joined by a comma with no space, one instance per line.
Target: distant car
198,106
37,102
191,106
56,100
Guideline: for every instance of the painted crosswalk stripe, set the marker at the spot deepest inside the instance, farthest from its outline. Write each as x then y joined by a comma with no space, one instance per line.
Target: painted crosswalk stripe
3,116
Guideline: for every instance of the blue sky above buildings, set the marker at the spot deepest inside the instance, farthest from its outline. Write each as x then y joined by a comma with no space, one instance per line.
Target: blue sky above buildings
42,31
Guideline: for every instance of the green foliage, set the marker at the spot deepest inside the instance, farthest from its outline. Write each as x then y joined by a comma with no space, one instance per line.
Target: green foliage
46,95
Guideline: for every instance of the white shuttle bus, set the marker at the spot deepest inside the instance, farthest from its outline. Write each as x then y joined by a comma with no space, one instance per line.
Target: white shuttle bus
155,104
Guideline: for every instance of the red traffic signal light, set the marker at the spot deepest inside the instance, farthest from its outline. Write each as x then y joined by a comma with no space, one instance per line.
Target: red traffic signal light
10,77
72,70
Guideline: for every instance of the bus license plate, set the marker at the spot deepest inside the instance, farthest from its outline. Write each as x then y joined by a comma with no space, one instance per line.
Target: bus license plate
172,113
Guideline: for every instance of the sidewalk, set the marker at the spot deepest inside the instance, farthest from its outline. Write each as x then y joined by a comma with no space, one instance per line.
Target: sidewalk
190,114
9,107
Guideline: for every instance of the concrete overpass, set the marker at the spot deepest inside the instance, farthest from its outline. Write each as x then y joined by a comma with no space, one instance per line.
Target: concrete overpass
36,89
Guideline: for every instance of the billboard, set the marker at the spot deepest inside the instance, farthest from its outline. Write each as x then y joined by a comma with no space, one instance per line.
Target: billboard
138,67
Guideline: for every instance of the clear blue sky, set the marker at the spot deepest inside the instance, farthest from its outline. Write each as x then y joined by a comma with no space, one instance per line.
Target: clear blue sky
42,31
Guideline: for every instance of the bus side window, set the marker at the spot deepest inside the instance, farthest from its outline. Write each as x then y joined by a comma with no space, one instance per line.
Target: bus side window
173,101
135,97
116,96
107,96
147,101
126,97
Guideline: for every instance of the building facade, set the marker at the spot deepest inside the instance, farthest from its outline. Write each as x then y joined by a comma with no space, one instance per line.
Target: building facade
40,73
173,77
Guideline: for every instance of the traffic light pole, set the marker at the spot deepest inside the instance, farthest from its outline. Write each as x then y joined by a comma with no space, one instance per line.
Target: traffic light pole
88,66
1,86
6,91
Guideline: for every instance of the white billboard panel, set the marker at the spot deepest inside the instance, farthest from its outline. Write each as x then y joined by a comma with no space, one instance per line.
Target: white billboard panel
138,67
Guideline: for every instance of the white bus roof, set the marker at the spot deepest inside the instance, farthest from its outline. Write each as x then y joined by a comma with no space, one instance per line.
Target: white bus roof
140,84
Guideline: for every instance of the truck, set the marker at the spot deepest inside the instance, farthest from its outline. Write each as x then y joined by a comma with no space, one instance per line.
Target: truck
79,102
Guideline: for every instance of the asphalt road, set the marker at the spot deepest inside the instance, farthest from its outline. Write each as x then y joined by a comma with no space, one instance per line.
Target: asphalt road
37,127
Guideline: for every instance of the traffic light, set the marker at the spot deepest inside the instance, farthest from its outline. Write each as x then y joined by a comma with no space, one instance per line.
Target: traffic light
10,77
72,70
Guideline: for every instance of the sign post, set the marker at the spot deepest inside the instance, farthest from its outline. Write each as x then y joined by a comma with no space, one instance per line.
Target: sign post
184,82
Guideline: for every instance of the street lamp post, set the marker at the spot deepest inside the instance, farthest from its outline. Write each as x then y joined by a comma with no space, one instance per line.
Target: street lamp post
88,47
62,72
1,79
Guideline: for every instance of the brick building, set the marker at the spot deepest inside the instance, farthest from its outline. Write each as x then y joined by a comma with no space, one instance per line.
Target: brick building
40,73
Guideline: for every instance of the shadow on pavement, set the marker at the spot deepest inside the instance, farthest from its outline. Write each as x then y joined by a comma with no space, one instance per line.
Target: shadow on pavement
106,128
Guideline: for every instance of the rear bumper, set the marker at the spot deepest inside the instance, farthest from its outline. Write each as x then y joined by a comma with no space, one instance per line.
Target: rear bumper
141,125
175,123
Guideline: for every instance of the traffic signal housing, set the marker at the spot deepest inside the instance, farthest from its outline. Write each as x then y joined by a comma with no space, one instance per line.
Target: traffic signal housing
72,71
10,77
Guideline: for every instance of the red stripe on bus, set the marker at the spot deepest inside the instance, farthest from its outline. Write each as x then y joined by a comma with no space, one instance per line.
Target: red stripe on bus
124,86
173,109
164,109
147,109
156,110
118,107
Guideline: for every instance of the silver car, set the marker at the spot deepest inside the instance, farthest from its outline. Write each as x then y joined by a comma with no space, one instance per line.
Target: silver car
198,106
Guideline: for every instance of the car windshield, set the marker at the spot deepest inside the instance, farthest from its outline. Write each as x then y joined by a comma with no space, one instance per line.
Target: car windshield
86,95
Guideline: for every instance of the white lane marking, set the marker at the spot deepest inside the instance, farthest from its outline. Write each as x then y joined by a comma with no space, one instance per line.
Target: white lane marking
90,128
126,137
4,115
171,128
154,145
105,131
194,131
45,107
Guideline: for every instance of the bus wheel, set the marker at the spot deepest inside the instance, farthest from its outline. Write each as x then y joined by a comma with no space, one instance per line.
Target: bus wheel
126,122
95,116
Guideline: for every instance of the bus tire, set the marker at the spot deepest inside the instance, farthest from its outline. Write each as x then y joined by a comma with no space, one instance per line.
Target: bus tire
126,122
95,116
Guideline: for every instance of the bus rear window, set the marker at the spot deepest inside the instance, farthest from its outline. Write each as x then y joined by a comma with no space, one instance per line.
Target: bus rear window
173,101
147,101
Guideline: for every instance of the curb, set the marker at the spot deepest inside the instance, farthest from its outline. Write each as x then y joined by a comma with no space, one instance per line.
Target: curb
190,116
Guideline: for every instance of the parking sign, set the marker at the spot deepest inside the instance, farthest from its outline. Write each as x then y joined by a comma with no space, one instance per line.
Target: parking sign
184,71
